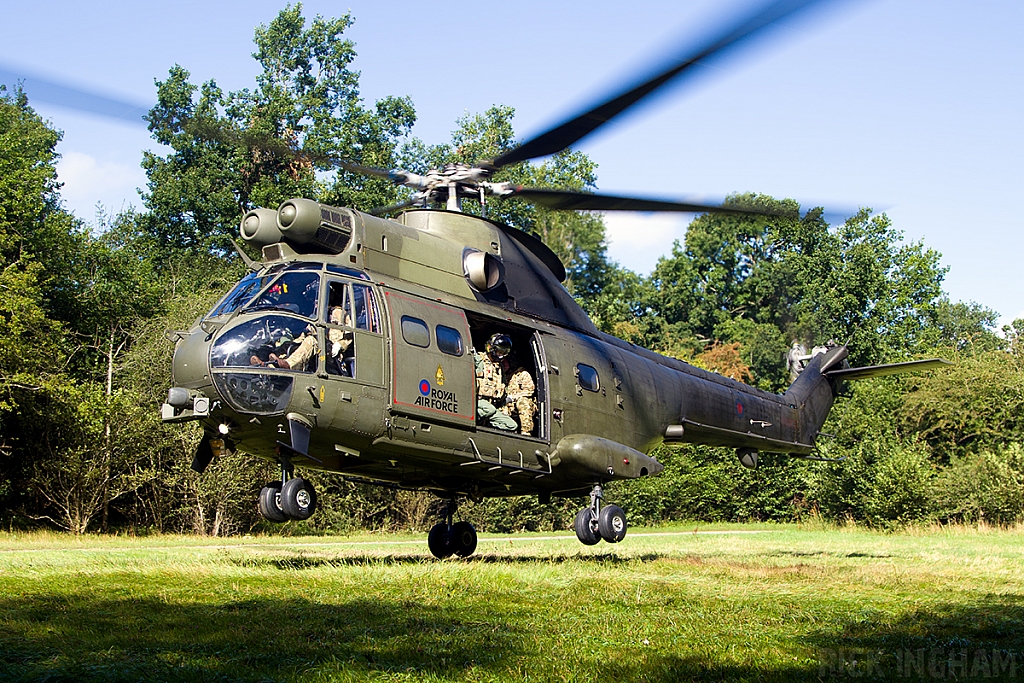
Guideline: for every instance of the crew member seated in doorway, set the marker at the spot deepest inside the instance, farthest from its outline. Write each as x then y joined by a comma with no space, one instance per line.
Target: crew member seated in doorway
519,398
490,390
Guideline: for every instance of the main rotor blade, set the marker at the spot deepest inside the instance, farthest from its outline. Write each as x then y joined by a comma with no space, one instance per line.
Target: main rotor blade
582,125
64,95
359,168
583,201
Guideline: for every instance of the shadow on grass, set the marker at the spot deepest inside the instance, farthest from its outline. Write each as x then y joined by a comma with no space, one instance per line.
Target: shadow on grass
301,562
963,642
983,640
80,637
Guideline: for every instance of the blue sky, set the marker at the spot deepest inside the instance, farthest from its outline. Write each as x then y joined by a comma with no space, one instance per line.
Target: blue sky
908,106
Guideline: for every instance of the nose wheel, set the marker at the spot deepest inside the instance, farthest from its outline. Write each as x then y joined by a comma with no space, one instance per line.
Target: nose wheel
291,498
599,521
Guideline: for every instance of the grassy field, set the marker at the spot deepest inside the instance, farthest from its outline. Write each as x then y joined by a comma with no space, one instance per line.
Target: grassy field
728,603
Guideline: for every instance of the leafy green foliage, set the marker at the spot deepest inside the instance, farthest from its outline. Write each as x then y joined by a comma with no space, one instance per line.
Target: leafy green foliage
883,483
705,483
976,405
764,281
984,487
238,150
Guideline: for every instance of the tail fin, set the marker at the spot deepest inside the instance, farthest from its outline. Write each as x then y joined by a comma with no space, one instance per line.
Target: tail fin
815,390
813,394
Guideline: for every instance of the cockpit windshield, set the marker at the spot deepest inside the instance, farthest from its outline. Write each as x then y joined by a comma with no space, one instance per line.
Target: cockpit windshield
296,292
240,295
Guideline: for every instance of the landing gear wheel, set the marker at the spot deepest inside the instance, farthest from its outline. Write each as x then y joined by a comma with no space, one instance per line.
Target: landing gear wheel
463,539
439,541
298,499
270,503
586,527
611,523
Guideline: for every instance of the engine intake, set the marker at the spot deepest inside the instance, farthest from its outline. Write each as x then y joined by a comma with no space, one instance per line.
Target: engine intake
259,227
303,221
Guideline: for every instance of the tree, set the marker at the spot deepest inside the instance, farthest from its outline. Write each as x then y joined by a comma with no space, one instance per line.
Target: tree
763,281
238,150
29,203
31,342
977,404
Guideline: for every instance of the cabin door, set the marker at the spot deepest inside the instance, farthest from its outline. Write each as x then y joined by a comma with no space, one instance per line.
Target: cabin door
352,357
432,368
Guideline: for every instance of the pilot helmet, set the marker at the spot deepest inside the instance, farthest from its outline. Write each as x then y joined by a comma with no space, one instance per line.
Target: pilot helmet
499,346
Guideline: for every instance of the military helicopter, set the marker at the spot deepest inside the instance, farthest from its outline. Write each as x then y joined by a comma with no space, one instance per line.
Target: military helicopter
352,347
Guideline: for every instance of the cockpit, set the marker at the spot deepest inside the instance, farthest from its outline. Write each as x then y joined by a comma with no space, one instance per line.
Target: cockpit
291,318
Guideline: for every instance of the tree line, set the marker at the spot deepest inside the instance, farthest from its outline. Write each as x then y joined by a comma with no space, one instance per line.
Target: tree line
85,311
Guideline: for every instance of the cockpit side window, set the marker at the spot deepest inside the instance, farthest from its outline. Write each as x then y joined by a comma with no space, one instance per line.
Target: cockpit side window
296,292
339,304
365,309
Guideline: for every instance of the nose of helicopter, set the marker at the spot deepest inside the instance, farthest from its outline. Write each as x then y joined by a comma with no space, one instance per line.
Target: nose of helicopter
190,366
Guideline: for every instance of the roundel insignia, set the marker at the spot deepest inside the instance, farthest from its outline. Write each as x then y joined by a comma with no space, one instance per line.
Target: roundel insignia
739,408
424,387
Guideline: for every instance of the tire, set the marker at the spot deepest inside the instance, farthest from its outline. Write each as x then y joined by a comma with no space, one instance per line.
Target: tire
611,523
586,527
270,503
439,541
298,498
463,539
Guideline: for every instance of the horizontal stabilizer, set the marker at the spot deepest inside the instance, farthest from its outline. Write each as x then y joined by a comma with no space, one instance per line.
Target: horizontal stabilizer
891,369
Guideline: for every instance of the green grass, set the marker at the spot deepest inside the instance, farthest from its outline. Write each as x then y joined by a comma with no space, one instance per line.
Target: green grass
784,603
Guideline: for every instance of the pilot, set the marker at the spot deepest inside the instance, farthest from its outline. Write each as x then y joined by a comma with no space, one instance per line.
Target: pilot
519,399
490,389
307,347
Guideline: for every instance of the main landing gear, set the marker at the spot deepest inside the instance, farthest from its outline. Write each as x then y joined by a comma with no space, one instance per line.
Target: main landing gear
600,521
446,539
291,498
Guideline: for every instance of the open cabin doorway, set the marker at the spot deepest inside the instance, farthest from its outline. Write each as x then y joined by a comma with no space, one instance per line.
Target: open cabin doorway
528,354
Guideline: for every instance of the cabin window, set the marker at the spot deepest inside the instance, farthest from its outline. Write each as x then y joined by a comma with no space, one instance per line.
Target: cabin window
588,377
448,340
415,331
295,292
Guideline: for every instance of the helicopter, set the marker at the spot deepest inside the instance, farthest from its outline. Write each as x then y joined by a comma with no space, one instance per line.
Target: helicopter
357,344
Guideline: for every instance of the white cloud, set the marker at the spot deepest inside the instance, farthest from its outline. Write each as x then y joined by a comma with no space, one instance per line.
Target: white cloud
638,240
88,181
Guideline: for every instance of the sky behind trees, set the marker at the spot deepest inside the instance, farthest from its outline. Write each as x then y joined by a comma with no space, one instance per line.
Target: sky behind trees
908,107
